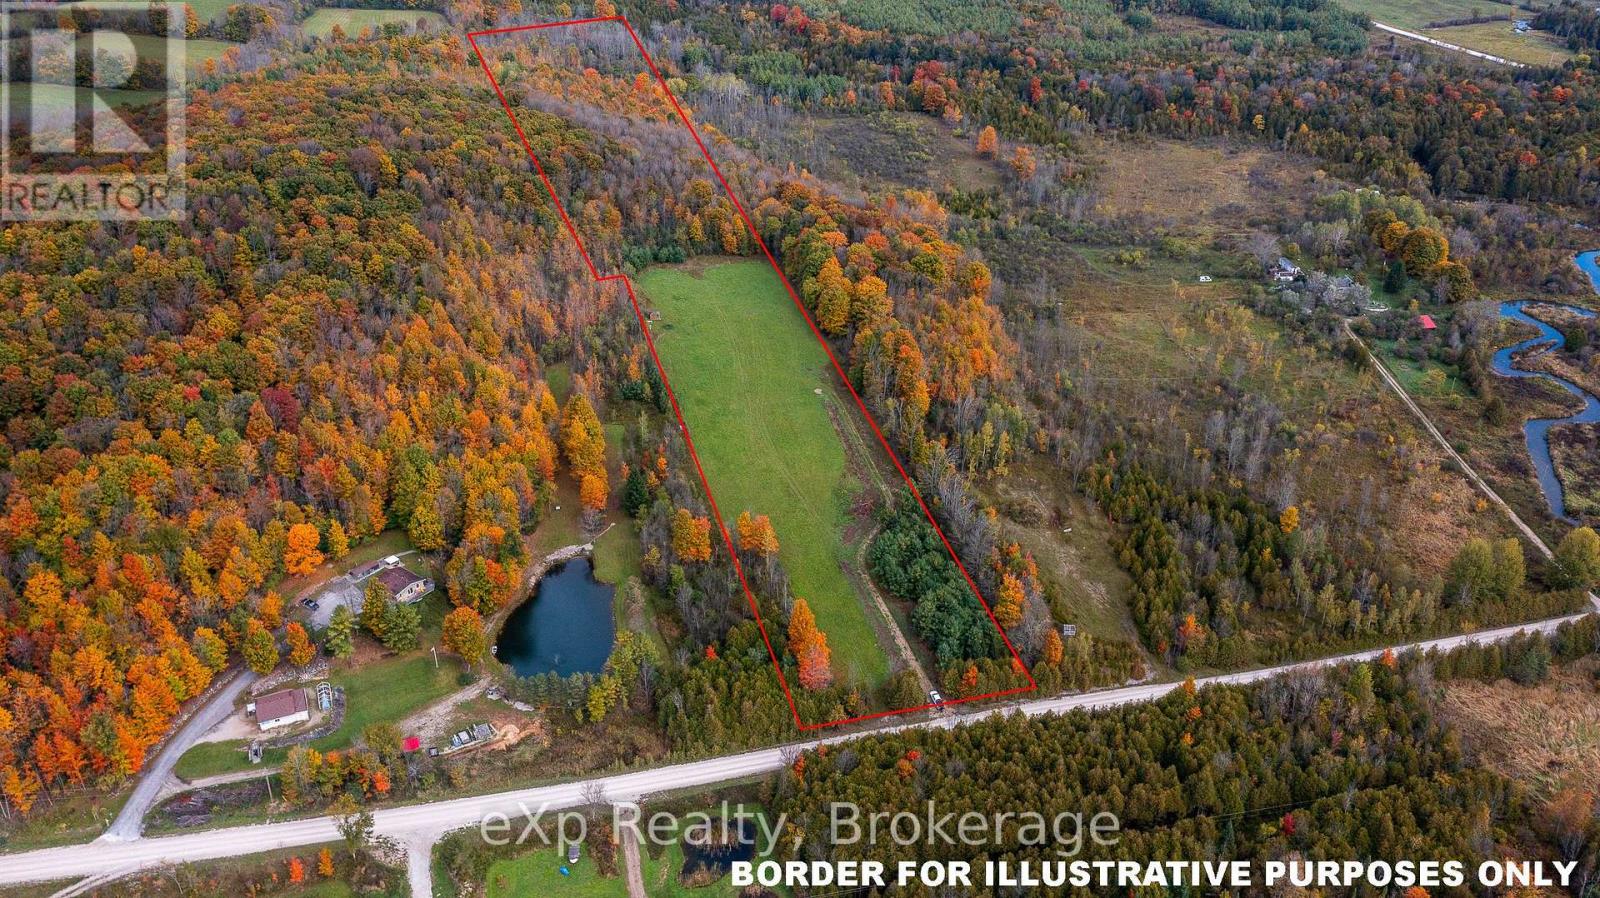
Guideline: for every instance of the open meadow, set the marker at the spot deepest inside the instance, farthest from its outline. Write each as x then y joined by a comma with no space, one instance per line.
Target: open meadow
1494,37
752,382
352,21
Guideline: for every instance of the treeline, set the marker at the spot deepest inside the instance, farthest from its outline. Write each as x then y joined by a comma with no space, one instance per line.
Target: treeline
1220,580
195,410
1315,765
1579,23
1458,132
1329,25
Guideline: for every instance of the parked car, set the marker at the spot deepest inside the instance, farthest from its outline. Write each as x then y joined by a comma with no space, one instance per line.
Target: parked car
934,697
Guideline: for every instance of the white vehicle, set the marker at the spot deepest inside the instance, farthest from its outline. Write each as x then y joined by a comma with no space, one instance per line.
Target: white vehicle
934,698
1205,278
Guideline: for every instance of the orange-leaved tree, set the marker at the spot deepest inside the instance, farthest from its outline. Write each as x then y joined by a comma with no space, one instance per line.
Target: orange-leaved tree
691,536
756,535
301,651
463,634
302,555
809,645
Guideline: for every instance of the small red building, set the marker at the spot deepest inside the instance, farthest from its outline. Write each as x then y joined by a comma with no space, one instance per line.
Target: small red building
1427,322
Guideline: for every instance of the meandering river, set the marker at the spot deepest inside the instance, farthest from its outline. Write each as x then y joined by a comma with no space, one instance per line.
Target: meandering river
1537,431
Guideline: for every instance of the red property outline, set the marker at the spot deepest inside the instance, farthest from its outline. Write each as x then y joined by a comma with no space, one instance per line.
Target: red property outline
472,37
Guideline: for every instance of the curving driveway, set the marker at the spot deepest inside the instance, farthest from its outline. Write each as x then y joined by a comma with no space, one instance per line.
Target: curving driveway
129,824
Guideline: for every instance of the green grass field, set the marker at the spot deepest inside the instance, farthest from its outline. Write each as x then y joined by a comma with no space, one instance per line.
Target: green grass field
1534,48
206,10
198,49
1497,38
747,372
21,96
1416,14
321,23
539,873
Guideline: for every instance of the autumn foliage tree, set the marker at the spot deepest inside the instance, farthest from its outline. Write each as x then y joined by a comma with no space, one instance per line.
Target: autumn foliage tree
809,646
260,650
463,634
756,535
301,651
302,555
583,444
988,142
691,536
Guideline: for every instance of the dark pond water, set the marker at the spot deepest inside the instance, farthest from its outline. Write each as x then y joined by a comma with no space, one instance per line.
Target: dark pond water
567,627
713,860
1537,431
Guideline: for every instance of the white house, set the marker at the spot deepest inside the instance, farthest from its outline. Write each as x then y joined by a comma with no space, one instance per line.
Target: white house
278,709
1285,270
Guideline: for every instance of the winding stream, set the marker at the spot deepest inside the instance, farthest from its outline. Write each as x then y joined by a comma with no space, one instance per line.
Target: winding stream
1537,431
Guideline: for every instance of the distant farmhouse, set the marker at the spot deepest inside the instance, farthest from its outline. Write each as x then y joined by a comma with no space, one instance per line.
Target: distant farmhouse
279,709
1284,271
405,586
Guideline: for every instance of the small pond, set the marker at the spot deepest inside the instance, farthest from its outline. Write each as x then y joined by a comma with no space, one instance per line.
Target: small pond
566,628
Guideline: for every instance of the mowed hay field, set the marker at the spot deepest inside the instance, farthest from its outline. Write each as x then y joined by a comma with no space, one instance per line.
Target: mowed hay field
747,372
321,23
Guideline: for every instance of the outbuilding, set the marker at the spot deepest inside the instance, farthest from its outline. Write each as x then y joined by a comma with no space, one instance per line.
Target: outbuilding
279,709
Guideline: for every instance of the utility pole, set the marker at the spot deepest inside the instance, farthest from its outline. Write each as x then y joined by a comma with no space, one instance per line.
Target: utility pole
435,650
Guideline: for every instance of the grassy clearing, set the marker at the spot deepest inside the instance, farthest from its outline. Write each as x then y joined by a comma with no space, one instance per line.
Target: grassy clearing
1546,735
1497,38
748,374
1202,187
322,22
539,873
1425,378
1071,541
1418,14
64,820
206,10
59,96
197,50
1533,48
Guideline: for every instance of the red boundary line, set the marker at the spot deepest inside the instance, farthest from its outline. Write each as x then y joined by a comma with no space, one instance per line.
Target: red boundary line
472,37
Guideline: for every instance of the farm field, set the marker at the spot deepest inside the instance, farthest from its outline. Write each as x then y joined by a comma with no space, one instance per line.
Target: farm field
198,49
21,96
1533,48
206,10
1497,38
1415,15
751,380
322,22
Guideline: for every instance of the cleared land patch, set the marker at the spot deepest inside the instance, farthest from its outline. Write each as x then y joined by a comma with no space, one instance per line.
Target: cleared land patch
1494,37
322,22
747,373
1200,187
1546,735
